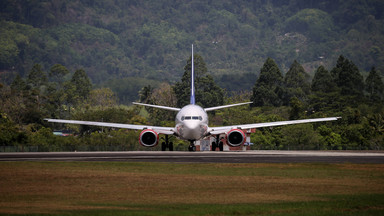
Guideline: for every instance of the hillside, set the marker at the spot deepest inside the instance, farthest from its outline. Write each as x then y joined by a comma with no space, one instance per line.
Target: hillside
129,43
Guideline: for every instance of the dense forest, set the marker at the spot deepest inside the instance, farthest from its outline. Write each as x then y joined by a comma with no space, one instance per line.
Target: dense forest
125,44
89,59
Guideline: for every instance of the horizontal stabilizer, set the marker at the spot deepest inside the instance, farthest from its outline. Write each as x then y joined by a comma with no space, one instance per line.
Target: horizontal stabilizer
226,106
157,106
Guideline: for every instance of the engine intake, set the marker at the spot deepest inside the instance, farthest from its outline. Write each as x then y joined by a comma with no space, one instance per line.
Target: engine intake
235,137
149,138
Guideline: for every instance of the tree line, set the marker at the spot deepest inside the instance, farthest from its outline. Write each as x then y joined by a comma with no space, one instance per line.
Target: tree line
128,43
60,93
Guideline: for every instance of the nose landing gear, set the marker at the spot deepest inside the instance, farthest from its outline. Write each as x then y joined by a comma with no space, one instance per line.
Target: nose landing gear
192,147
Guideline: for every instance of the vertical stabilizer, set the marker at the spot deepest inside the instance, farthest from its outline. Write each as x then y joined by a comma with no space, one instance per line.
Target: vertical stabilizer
192,81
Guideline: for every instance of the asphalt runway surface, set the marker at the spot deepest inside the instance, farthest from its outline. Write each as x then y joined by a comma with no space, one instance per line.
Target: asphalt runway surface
376,157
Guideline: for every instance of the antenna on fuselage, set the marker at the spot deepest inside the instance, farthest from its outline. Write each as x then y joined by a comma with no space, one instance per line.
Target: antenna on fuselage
192,81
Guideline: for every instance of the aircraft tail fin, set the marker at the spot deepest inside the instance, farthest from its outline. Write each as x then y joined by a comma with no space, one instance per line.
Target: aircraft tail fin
193,101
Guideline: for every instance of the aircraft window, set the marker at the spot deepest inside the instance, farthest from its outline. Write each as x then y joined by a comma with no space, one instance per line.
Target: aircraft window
191,118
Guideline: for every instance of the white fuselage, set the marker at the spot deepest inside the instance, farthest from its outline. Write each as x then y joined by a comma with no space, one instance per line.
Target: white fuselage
191,123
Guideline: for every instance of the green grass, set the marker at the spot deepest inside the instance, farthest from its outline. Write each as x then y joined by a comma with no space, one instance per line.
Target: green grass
336,205
123,188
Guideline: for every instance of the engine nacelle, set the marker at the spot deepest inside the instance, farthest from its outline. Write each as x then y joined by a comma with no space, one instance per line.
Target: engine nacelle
149,138
235,137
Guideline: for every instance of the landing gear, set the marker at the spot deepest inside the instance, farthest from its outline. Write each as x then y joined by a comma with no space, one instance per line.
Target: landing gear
218,143
166,144
192,147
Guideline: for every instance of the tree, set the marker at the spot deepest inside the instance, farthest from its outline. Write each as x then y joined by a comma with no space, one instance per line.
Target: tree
36,77
82,84
163,95
145,94
297,108
301,136
102,97
57,72
297,83
348,78
329,139
374,86
267,90
322,81
207,93
76,90
10,133
18,85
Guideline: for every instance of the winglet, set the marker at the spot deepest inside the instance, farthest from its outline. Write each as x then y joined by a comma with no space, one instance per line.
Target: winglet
192,81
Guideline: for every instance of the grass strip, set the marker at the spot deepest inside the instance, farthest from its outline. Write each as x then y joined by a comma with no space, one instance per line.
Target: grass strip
123,188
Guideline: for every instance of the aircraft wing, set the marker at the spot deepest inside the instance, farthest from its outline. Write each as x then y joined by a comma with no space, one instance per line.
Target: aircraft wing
224,129
161,130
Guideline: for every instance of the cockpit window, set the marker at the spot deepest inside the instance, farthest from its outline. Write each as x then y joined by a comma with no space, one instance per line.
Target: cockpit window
191,118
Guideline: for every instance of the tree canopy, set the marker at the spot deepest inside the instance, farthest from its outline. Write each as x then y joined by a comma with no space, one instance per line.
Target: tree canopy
207,92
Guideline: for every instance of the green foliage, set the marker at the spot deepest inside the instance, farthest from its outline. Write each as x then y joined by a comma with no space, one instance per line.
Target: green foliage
207,93
315,23
347,77
268,87
57,72
164,95
36,77
296,81
329,140
127,89
299,137
10,133
125,46
103,98
81,83
322,81
374,86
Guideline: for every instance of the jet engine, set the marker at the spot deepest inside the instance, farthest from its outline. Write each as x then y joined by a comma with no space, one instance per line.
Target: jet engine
235,137
149,138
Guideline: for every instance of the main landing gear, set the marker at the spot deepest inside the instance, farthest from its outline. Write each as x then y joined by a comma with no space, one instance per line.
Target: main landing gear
218,143
192,147
166,144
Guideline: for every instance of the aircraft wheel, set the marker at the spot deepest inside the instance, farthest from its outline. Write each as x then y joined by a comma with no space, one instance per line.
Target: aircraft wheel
221,146
170,146
213,146
163,146
192,148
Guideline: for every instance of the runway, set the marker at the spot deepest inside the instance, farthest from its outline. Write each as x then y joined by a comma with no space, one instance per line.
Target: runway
206,157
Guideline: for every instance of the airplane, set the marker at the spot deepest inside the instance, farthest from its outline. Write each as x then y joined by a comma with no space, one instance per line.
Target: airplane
191,124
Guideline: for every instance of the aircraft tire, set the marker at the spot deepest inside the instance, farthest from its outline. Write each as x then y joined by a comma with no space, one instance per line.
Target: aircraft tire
170,147
163,146
214,146
192,148
221,146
